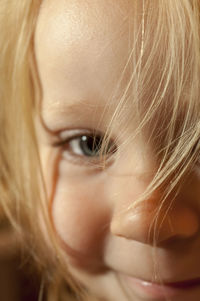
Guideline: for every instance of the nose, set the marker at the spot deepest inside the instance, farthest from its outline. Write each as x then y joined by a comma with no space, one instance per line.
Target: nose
155,220
148,224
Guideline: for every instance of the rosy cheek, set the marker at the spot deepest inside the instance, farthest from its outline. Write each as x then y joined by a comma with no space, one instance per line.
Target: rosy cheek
80,215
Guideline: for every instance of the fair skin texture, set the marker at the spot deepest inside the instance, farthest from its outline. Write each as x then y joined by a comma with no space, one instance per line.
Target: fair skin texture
81,50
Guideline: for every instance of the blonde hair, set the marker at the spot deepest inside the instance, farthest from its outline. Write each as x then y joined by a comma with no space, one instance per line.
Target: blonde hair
164,69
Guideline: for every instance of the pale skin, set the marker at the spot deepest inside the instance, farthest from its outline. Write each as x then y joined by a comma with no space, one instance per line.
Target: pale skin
81,50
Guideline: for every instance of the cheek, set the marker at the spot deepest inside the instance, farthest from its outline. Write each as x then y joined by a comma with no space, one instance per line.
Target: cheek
81,214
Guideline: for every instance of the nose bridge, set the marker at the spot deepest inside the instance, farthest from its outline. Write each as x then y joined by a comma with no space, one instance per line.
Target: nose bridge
148,220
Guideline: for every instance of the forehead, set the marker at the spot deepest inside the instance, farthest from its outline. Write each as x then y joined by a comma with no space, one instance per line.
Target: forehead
81,48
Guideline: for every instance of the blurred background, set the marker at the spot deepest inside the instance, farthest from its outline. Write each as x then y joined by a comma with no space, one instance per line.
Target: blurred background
18,279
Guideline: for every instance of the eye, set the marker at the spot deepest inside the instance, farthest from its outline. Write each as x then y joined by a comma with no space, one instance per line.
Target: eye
87,147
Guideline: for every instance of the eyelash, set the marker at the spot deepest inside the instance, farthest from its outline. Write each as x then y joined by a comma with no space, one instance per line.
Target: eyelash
86,148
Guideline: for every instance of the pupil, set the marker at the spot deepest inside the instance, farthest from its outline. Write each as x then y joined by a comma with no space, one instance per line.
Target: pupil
90,146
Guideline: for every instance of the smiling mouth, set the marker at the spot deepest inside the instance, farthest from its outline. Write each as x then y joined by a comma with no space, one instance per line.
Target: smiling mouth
162,290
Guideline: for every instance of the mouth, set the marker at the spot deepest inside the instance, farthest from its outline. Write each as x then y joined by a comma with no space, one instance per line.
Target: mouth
163,290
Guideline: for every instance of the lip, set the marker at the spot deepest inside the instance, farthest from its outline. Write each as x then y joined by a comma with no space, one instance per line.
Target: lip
163,290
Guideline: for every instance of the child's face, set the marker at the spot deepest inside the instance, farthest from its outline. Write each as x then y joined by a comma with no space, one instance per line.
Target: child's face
81,50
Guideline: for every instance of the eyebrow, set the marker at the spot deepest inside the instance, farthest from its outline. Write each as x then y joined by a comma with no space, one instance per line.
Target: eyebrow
59,115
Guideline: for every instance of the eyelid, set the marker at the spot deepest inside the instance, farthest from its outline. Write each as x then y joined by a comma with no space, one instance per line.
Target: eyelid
68,134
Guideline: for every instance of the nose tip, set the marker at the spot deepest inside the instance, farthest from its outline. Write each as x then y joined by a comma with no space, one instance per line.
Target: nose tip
147,225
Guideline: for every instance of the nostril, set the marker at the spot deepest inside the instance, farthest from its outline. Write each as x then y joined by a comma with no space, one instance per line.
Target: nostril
180,224
184,222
